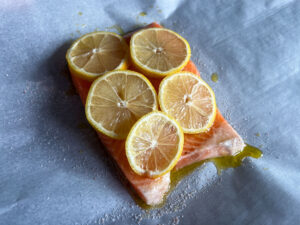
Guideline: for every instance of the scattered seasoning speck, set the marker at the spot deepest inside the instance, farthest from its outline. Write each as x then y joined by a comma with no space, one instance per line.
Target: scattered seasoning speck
80,13
257,134
78,31
215,77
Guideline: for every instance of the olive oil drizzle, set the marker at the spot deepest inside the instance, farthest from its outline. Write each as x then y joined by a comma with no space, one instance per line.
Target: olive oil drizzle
221,163
226,162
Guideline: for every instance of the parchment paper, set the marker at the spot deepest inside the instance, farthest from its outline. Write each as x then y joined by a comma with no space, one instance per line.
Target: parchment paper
53,168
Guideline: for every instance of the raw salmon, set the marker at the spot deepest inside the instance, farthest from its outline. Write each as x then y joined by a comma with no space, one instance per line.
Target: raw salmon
150,190
220,140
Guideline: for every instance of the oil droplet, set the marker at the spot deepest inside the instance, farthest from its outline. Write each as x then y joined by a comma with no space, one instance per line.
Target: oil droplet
143,14
221,164
117,28
80,13
215,77
140,14
257,134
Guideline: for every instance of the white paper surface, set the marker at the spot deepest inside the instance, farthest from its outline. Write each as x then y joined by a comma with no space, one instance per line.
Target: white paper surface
53,168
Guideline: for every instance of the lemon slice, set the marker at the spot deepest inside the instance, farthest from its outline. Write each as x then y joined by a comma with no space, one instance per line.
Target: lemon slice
96,53
117,100
190,100
158,52
154,144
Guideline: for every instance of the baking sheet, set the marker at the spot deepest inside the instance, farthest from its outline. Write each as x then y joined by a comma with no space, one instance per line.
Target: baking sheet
54,170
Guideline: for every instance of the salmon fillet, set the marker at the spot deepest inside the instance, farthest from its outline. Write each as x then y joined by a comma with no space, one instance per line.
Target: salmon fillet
220,140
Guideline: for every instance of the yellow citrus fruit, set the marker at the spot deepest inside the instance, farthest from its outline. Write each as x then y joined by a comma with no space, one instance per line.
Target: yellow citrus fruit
154,144
190,100
94,54
117,100
158,52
